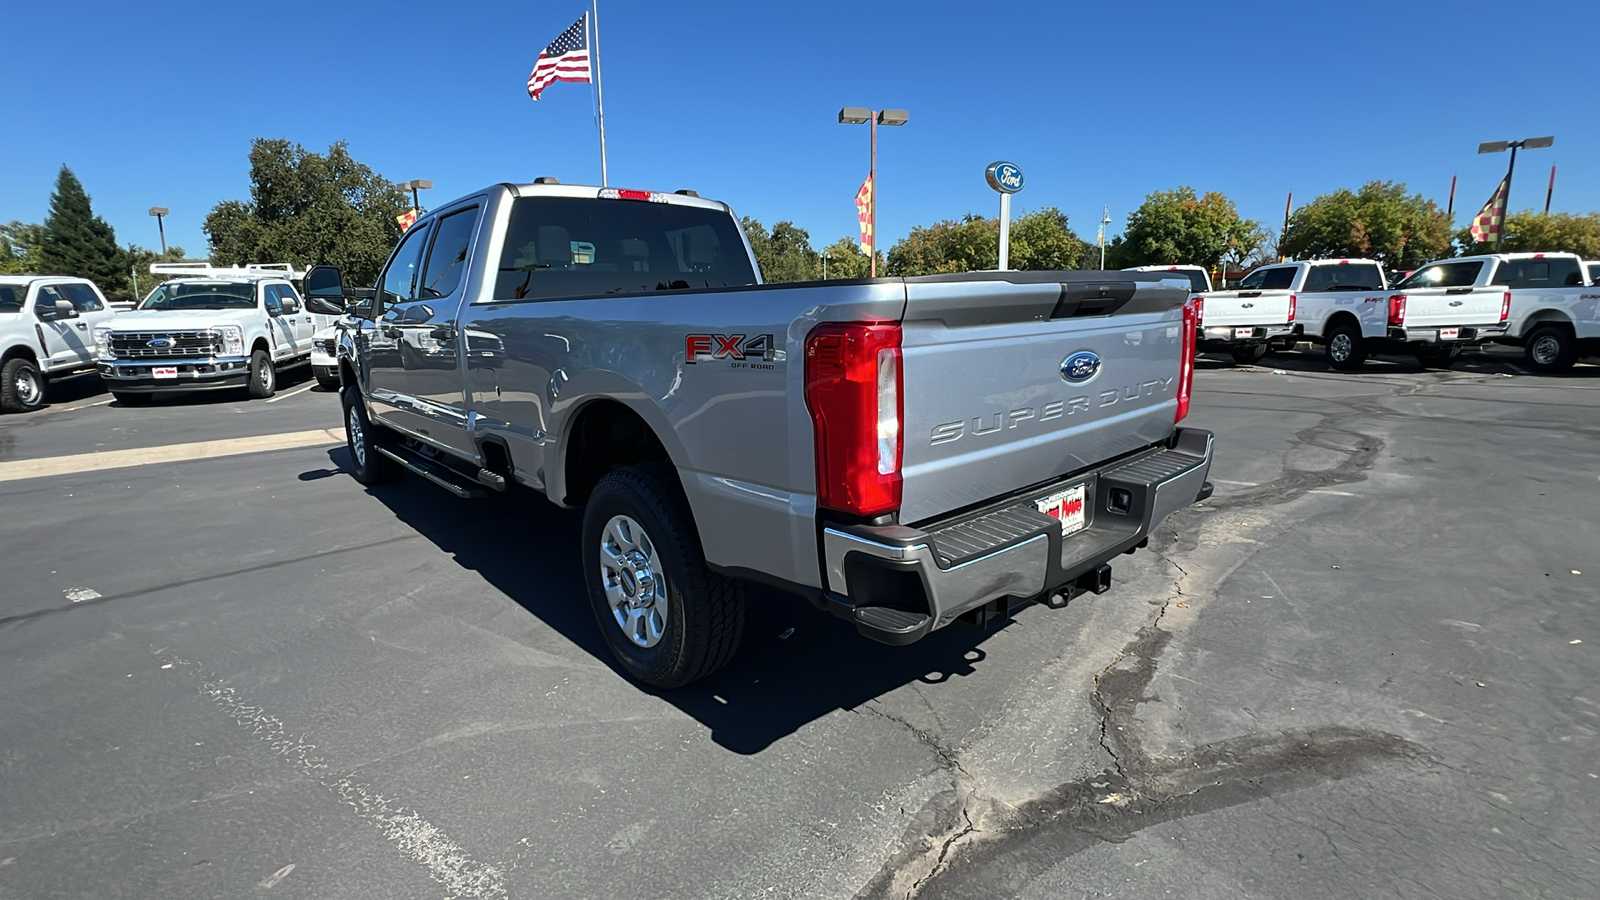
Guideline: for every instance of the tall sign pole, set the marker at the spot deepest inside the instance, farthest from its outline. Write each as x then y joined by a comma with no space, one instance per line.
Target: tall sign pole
599,93
1550,191
1006,179
1450,210
872,215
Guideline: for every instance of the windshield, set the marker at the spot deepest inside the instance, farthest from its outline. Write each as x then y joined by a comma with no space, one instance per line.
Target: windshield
578,247
12,296
201,295
1268,279
1444,275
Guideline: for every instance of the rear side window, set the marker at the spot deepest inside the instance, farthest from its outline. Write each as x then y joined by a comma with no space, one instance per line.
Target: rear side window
1344,277
12,296
1558,271
1268,280
448,258
83,297
578,247
1444,275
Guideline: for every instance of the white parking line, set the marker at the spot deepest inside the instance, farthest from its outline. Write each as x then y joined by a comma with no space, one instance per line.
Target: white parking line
299,390
143,456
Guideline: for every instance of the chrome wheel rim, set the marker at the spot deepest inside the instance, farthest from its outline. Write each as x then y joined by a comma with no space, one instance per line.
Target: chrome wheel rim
1339,347
635,586
265,374
28,388
1545,350
358,443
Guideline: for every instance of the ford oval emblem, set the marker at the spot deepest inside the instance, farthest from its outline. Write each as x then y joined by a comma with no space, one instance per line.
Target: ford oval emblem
1004,177
1080,366
158,343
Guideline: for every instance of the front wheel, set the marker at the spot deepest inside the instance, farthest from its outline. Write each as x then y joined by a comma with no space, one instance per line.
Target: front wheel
1345,348
667,618
1551,349
366,463
21,386
263,378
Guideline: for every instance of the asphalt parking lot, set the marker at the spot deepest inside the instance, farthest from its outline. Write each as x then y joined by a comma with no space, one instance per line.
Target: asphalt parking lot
1367,666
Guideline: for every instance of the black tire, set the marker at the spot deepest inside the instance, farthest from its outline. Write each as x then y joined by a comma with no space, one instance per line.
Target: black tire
1282,345
1345,348
1551,349
127,399
262,381
704,612
21,386
1438,357
367,465
1250,355
328,382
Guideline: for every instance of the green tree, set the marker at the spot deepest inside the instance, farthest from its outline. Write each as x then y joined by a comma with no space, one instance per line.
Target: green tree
19,247
1527,232
1378,222
1181,227
307,209
77,242
1040,240
845,259
785,253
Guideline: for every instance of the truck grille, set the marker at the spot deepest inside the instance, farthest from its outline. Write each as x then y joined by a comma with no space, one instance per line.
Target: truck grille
136,344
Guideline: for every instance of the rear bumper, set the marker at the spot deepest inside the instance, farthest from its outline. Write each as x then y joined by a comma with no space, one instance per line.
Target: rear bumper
1224,337
900,583
1465,334
204,374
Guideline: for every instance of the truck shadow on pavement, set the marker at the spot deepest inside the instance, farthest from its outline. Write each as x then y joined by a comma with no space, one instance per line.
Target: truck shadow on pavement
795,664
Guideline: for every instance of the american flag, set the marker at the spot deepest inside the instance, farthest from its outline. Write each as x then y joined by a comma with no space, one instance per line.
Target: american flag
864,214
566,59
1486,224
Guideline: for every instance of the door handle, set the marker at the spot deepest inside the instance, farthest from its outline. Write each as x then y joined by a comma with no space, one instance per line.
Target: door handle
83,326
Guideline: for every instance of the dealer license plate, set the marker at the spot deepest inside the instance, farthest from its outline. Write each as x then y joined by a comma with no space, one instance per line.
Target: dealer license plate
1244,332
1065,506
1449,334
164,372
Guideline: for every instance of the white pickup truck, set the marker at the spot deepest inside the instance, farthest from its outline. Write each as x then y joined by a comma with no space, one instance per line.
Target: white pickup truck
1199,278
1549,303
45,323
215,332
1334,302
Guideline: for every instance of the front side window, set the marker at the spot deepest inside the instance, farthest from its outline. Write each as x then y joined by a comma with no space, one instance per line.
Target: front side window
447,261
1268,280
580,247
1444,275
83,297
201,295
45,305
274,301
400,279
1344,277
1594,273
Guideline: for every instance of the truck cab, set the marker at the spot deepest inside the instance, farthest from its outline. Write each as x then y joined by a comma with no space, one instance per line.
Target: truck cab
46,323
1546,303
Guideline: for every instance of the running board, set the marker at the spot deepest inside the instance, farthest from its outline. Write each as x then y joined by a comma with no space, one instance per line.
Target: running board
440,475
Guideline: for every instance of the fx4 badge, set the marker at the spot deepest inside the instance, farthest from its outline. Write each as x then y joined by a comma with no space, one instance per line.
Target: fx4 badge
737,348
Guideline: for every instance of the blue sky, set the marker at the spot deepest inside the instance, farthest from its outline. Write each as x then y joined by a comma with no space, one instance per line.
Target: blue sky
1099,103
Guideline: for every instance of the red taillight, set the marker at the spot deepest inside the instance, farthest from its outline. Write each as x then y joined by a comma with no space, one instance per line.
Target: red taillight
1199,309
1505,307
1191,322
1292,301
853,392
1397,309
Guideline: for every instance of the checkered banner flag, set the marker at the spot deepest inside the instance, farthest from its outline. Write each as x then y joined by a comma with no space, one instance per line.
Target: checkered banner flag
1486,224
864,215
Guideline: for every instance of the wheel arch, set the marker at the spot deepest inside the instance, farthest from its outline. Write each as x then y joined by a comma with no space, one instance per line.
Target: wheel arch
19,350
602,434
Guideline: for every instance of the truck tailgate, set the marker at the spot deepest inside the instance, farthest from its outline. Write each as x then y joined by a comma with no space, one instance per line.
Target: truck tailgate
1230,308
1012,383
1453,306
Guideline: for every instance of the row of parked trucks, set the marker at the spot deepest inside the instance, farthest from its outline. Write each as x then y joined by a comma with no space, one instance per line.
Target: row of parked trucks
1546,303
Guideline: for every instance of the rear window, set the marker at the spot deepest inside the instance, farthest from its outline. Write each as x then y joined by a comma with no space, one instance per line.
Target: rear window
1197,281
1268,279
1344,277
577,247
1445,275
12,297
1556,271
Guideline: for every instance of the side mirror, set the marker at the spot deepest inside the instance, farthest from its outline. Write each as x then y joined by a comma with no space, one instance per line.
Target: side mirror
361,309
325,282
291,306
65,310
324,306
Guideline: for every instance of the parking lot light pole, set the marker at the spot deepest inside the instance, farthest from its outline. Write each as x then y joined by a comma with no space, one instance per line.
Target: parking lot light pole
415,185
158,212
1533,143
856,115
1105,219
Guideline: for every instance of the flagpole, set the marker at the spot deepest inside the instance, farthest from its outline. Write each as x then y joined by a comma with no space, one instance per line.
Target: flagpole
599,95
1500,236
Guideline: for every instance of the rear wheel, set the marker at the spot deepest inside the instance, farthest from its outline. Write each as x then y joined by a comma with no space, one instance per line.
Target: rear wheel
127,399
262,381
360,436
1438,357
1551,348
1245,356
1345,348
667,618
21,386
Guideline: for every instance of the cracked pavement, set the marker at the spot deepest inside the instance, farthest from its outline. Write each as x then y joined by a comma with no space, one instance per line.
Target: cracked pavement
1352,672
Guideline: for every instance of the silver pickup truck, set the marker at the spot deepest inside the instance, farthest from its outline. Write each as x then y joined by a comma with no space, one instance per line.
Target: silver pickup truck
906,452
